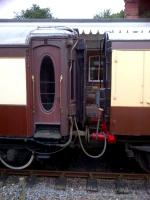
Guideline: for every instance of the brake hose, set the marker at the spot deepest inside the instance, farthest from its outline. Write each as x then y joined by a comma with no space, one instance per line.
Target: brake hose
81,143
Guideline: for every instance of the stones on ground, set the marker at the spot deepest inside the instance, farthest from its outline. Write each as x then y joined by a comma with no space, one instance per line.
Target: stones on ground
76,189
60,183
121,186
92,185
147,186
3,179
31,181
22,183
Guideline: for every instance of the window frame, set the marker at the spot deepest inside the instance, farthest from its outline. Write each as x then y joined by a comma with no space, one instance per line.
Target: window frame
42,82
89,69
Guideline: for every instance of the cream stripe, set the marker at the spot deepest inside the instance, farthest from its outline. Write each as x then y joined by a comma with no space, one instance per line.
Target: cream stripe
128,76
12,81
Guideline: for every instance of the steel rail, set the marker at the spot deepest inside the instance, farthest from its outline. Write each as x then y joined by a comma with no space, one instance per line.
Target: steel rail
76,174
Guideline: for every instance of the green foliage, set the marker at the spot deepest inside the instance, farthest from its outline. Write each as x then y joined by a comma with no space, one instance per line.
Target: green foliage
106,14
118,14
35,12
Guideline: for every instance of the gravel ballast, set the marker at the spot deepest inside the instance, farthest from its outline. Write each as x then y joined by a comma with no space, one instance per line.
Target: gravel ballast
42,188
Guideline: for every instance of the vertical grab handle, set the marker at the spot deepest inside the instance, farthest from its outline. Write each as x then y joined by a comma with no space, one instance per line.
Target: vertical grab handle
33,92
142,94
61,79
115,78
70,83
143,80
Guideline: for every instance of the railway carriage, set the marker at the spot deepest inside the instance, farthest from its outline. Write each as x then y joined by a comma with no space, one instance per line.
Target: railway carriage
127,68
38,93
57,86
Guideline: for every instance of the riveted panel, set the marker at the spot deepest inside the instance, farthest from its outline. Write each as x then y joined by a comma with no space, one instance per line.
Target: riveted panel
127,78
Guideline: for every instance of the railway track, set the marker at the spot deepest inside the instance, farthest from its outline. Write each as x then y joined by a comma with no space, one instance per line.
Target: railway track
76,174
123,182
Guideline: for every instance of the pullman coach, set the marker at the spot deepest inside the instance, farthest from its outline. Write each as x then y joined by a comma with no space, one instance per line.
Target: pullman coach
59,88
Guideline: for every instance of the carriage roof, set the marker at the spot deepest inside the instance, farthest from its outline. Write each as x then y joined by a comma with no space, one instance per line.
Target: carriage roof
125,36
14,32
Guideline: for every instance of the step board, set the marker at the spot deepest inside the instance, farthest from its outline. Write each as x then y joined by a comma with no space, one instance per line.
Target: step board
47,134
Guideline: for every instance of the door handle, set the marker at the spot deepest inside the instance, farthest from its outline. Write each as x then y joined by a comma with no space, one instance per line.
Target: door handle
33,92
61,79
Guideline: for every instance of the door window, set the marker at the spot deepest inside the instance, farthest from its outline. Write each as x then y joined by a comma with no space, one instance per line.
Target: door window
47,83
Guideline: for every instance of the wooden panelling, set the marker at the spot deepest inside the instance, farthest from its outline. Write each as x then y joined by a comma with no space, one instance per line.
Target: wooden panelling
130,78
12,52
13,121
130,120
131,9
128,45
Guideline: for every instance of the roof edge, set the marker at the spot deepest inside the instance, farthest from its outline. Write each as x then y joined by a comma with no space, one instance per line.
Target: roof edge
78,20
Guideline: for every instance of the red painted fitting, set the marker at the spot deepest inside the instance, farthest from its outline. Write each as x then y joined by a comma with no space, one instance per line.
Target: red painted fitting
93,120
99,136
111,139
104,127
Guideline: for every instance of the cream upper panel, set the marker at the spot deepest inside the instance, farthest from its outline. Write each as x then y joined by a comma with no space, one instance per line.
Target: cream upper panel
129,83
147,78
13,81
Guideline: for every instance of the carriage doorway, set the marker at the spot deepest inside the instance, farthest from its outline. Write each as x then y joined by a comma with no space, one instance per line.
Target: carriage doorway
46,85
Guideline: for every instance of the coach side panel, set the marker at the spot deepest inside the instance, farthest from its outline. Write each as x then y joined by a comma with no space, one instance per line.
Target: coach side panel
13,93
130,91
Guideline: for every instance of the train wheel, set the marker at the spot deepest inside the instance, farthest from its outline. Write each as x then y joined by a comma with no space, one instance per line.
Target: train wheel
143,158
16,158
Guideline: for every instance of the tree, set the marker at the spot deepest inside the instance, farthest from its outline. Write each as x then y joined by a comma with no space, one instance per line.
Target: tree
35,12
118,14
107,14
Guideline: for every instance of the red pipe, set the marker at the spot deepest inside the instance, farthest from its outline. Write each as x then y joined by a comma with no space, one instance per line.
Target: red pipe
111,139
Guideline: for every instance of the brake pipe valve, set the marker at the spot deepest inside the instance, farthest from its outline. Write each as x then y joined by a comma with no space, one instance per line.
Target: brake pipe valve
100,136
111,139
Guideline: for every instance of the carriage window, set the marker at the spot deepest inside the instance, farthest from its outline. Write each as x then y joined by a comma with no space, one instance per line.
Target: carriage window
94,68
47,83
